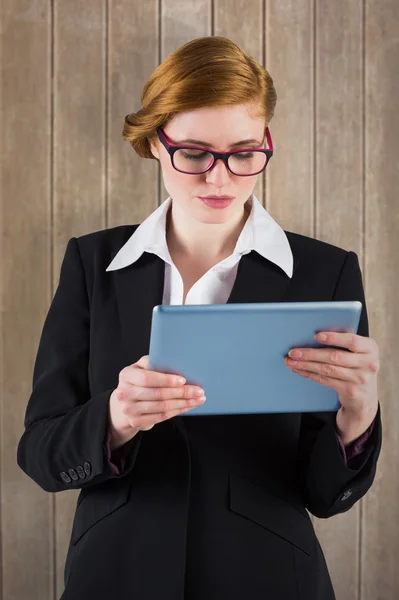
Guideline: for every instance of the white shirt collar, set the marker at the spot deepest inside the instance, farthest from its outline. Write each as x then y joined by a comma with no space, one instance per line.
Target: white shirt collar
260,232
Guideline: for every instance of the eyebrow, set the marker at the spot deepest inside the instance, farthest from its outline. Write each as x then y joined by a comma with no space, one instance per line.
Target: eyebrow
202,143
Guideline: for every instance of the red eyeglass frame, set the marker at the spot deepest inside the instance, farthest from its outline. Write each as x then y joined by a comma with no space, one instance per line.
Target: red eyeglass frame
224,156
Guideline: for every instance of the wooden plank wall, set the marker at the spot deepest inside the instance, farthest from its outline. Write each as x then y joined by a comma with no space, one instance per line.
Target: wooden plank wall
71,71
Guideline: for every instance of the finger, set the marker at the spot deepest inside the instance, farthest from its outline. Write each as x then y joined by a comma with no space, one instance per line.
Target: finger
165,406
145,420
332,371
336,384
136,375
160,394
344,388
351,341
341,358
143,363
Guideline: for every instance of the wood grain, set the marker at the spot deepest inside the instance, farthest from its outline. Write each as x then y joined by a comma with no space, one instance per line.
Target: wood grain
339,215
27,523
380,541
70,72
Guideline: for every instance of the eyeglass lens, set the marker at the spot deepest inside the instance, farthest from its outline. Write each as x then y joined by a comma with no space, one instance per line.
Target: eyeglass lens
198,161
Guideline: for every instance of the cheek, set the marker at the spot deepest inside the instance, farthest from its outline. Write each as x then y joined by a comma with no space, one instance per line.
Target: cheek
175,181
179,187
246,184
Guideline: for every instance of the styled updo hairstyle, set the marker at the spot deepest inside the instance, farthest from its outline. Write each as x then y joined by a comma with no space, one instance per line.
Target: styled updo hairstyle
207,71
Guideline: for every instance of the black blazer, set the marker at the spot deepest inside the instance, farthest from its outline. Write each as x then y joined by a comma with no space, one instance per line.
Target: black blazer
206,508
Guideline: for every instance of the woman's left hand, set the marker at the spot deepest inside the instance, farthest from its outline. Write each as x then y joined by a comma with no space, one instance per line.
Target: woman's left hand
352,374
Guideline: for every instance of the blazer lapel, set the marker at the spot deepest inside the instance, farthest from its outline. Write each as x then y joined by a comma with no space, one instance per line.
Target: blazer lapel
260,280
139,287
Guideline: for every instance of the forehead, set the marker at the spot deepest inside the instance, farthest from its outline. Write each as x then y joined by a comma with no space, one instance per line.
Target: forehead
221,127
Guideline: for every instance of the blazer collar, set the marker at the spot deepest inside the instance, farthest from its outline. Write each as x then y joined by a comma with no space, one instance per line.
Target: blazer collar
139,288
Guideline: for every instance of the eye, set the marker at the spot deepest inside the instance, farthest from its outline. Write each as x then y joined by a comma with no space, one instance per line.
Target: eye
194,155
243,155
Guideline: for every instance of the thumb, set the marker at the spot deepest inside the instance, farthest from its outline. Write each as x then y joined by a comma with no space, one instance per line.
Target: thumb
142,363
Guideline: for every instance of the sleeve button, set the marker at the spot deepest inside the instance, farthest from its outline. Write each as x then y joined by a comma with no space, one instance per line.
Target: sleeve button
87,467
73,474
81,471
65,477
346,495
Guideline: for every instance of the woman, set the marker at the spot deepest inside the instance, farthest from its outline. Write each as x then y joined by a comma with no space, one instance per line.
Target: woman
214,506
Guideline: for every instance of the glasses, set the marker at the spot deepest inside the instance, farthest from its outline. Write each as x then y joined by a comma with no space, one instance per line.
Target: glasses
193,160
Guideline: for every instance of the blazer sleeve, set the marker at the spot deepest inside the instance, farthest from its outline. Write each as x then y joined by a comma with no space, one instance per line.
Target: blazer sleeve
329,486
356,447
64,442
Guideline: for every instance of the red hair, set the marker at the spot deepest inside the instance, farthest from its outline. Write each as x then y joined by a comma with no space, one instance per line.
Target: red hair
207,71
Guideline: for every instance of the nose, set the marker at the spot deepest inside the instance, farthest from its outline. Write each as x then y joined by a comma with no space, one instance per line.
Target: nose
218,174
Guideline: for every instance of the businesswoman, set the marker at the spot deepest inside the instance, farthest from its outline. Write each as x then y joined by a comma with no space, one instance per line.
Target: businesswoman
210,507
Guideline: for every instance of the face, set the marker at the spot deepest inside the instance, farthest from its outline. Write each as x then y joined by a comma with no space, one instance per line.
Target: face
220,127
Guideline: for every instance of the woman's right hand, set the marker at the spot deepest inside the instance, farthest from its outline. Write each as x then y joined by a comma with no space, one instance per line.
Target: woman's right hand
144,398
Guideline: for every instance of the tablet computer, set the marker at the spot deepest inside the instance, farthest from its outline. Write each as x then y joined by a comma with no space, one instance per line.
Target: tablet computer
236,352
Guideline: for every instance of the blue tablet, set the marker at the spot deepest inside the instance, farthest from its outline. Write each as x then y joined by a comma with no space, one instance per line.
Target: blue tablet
236,352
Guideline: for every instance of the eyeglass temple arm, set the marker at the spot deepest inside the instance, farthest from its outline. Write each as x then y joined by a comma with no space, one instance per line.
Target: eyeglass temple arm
269,139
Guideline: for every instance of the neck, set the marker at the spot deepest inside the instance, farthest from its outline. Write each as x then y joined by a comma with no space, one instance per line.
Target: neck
204,242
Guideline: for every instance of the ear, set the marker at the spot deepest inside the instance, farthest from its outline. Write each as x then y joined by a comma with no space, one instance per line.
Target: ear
154,149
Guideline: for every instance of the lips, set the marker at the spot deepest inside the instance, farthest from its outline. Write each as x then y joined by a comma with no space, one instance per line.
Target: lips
217,197
217,202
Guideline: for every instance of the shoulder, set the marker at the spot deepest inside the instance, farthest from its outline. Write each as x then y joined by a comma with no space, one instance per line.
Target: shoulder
106,237
103,244
325,262
306,246
317,253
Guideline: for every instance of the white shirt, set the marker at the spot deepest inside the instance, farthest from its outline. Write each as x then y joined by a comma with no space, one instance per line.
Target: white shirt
260,233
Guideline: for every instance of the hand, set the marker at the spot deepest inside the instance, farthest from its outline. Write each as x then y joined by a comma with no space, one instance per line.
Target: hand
144,398
352,374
